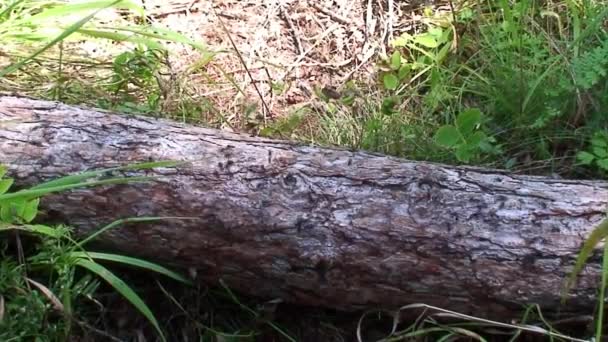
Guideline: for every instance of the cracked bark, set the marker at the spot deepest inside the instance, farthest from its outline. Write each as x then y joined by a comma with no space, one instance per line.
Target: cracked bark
311,225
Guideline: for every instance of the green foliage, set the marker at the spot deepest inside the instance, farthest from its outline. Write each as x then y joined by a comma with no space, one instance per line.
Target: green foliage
135,68
50,310
136,73
416,55
533,79
284,127
591,67
53,22
597,155
465,136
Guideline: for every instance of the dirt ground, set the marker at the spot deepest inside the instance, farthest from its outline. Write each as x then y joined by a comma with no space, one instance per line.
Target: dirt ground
289,47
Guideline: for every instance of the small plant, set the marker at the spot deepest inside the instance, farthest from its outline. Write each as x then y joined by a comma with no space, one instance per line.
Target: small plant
598,154
58,256
592,67
135,74
416,54
465,136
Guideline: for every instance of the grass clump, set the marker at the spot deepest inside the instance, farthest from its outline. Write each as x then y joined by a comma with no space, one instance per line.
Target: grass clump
40,287
534,71
45,57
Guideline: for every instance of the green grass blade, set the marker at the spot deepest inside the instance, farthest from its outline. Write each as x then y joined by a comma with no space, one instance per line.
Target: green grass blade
81,177
33,228
254,313
67,32
122,288
600,311
72,8
150,165
592,27
133,262
537,82
597,235
34,193
9,8
129,220
119,37
159,33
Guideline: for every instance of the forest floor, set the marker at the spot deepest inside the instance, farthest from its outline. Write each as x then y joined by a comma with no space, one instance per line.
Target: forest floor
265,60
285,49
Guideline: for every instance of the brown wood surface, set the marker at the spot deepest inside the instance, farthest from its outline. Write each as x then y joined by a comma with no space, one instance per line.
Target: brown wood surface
316,226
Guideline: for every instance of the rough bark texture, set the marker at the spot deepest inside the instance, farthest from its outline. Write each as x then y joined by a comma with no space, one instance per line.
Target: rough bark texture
314,225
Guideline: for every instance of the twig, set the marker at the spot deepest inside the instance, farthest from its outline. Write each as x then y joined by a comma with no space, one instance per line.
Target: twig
303,55
369,53
238,53
291,27
192,3
328,13
369,25
97,331
391,15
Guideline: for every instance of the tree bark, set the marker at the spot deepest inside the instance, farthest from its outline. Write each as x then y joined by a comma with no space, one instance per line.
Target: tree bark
317,226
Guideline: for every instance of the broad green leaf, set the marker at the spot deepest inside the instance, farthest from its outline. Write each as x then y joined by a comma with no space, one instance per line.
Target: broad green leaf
391,82
445,35
13,210
600,152
468,120
3,170
426,40
30,210
122,288
396,60
435,31
447,136
599,140
133,262
603,163
6,214
585,157
443,52
463,153
404,71
5,184
475,139
402,40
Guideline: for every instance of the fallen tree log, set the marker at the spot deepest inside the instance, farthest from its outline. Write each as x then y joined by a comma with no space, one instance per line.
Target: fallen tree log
311,225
